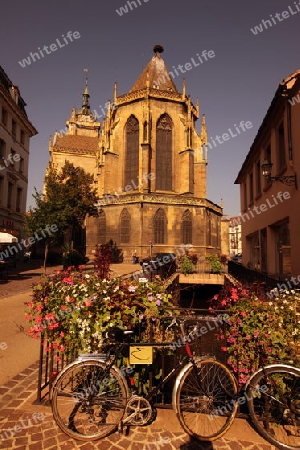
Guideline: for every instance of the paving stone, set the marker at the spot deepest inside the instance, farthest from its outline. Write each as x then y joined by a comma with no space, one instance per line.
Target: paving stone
21,441
36,437
34,446
88,446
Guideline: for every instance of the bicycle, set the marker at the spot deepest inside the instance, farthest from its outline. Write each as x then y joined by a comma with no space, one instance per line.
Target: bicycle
273,400
92,397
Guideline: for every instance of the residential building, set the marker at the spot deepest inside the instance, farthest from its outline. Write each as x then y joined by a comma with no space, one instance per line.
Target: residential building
235,236
15,133
150,169
270,201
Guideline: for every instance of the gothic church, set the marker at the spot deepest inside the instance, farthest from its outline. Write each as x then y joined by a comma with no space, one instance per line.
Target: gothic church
149,166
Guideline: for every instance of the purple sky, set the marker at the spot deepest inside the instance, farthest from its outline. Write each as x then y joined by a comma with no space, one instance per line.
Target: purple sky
236,85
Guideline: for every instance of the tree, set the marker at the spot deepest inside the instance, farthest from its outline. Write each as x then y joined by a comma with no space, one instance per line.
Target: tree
69,197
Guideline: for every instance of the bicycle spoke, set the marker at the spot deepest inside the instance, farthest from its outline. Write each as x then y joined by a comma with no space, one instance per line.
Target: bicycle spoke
274,405
96,399
206,403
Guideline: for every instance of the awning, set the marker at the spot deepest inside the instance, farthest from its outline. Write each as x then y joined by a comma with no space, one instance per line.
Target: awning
7,238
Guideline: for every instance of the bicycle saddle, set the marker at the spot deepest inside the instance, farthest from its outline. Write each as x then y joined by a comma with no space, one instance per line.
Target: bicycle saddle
117,334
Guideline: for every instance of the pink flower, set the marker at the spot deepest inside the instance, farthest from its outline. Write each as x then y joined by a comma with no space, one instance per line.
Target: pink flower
68,280
64,308
158,302
61,334
255,334
224,349
50,316
248,337
88,303
243,313
132,288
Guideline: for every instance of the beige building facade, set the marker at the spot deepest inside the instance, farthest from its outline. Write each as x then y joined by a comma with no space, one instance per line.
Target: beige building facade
15,133
235,236
270,201
149,168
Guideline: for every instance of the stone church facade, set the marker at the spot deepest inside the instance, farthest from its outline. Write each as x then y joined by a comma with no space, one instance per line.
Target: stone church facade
149,165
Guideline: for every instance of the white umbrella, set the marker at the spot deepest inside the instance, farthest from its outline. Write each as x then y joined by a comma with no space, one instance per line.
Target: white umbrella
7,238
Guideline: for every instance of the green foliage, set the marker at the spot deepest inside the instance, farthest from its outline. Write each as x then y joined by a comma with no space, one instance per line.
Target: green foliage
68,198
188,262
259,331
186,265
215,263
115,252
71,257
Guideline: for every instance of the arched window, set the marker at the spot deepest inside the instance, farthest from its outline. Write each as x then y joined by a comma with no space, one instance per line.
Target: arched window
131,170
187,227
164,153
208,228
160,227
125,227
101,227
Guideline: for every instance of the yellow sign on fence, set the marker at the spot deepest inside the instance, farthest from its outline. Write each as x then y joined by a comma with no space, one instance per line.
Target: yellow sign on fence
140,355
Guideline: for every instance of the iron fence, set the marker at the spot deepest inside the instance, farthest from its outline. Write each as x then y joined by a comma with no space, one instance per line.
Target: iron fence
203,342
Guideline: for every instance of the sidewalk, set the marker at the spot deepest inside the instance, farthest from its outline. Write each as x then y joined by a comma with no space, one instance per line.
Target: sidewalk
27,425
25,275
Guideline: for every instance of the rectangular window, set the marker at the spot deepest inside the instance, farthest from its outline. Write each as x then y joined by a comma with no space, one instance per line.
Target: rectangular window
9,195
4,116
251,188
13,128
268,158
281,158
19,199
258,178
2,150
245,196
21,165
12,160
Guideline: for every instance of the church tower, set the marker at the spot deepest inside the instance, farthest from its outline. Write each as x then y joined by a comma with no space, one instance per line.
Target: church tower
151,170
78,143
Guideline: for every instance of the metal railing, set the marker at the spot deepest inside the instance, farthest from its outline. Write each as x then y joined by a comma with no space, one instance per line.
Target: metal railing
202,343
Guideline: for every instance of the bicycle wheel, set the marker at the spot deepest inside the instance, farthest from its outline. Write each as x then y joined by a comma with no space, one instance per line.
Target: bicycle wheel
205,399
88,400
273,399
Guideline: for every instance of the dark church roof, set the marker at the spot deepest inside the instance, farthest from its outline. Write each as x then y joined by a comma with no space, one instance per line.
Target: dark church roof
76,144
157,74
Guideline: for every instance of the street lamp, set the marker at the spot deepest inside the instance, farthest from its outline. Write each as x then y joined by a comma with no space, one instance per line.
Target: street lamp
288,180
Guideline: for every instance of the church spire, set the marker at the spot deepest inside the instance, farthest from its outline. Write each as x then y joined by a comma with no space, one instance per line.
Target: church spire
85,99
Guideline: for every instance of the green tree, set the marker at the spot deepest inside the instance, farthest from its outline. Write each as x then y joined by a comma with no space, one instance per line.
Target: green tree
68,198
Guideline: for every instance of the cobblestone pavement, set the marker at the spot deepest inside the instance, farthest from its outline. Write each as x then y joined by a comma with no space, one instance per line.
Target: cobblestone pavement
28,425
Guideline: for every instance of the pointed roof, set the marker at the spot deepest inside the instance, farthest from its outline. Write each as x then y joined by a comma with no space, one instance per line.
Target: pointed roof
156,73
86,110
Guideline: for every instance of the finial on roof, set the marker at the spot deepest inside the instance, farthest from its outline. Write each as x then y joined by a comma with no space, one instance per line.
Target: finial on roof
115,92
158,49
85,97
